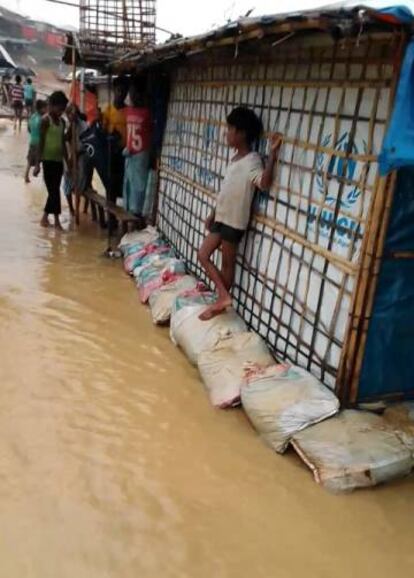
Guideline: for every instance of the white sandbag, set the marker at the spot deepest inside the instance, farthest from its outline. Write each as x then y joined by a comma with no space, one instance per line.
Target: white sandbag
159,273
195,336
161,301
282,400
153,260
223,367
144,237
400,417
355,449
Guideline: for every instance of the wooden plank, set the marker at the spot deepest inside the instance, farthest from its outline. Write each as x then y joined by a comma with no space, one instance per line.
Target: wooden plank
118,212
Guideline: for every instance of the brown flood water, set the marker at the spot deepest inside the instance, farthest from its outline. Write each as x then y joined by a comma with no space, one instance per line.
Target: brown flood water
112,462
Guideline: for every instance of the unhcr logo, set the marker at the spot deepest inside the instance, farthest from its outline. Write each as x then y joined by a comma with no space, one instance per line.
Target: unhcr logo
335,169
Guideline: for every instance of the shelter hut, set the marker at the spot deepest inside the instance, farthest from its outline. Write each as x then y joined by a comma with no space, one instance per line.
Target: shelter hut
322,274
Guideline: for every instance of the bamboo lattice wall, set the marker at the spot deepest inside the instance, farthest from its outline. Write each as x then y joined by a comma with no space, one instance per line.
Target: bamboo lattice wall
299,268
123,23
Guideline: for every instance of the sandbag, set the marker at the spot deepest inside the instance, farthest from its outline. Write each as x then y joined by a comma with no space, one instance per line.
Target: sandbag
194,335
160,272
144,237
158,260
223,367
128,250
282,400
400,417
162,299
355,449
136,259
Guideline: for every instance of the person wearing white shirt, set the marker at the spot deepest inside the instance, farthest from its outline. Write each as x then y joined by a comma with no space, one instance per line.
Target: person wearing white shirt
227,224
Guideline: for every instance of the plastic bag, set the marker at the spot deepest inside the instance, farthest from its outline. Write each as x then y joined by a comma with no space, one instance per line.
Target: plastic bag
194,335
160,272
223,367
144,237
137,258
400,417
158,260
282,400
355,449
161,300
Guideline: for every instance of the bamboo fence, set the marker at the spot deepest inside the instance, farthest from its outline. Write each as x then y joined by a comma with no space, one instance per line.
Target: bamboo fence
307,269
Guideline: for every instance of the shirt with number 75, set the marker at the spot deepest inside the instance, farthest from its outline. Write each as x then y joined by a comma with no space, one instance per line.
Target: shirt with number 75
139,127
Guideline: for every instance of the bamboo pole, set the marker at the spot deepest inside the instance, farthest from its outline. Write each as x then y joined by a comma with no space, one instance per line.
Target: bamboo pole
74,160
354,351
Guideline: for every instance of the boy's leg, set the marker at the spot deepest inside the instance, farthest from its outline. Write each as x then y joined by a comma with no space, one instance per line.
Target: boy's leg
27,173
228,267
209,246
69,198
55,182
229,253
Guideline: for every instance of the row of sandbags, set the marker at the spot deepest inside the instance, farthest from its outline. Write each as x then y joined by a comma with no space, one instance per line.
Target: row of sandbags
286,404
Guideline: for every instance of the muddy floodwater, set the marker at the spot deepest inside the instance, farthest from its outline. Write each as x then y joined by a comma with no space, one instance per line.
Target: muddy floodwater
112,462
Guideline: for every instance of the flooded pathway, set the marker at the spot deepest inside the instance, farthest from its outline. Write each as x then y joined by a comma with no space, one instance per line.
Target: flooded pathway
112,462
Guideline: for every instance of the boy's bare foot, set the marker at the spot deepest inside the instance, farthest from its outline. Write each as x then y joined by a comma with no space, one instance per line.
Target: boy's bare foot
59,227
44,222
27,180
216,309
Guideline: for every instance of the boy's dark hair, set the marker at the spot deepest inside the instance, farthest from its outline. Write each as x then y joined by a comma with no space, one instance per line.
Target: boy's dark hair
246,120
18,79
39,105
29,81
58,98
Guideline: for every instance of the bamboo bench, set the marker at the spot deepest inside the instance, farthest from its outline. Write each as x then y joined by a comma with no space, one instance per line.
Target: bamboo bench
100,206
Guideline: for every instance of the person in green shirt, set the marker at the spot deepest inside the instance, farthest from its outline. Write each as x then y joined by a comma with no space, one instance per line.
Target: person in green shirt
34,125
52,153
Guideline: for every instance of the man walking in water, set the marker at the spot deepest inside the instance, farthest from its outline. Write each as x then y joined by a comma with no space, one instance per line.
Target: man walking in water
29,97
17,96
52,152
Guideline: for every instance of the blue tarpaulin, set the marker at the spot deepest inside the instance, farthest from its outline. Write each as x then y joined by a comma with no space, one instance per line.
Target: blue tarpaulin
398,147
388,367
400,13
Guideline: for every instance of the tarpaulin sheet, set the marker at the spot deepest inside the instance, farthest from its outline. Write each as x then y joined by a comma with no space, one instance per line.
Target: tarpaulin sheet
398,147
388,368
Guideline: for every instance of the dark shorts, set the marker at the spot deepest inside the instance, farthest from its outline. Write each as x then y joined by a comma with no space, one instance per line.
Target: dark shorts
33,155
28,103
18,105
227,233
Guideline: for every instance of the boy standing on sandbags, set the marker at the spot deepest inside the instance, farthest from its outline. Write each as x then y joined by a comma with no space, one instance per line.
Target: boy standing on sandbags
228,222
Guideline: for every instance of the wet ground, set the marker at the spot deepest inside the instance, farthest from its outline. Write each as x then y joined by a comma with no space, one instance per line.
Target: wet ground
112,462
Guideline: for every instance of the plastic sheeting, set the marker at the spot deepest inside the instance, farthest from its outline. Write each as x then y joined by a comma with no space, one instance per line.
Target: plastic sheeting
223,367
398,146
147,235
137,259
161,271
353,450
401,418
388,366
282,400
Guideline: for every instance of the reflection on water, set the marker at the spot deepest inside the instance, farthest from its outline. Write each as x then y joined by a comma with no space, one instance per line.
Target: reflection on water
112,463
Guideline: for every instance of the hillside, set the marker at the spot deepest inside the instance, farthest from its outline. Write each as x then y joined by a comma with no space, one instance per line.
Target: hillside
31,43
